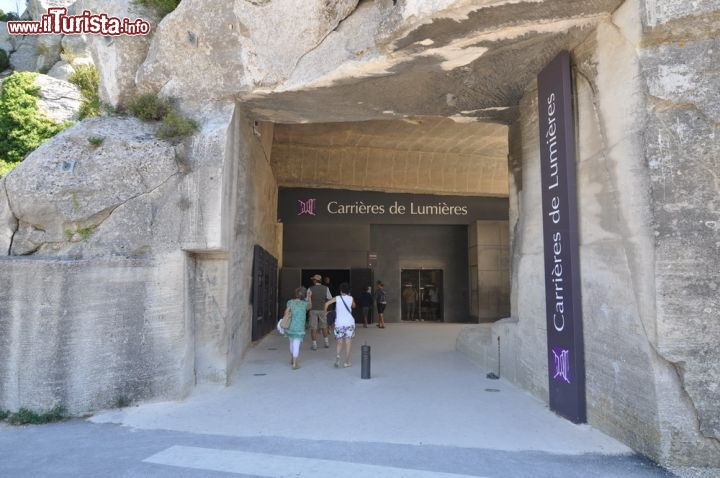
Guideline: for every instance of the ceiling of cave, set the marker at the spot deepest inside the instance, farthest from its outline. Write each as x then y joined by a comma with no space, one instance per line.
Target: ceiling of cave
403,105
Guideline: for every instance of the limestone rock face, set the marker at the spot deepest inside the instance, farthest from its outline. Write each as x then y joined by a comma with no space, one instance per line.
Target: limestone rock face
59,99
61,70
8,222
682,155
118,58
75,48
66,190
7,41
48,51
25,57
256,44
37,8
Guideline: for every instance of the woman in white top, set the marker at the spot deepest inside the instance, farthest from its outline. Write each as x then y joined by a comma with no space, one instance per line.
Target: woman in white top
344,322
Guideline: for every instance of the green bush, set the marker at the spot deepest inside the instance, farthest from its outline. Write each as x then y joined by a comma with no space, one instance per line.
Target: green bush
162,7
22,127
87,78
149,107
28,417
96,140
6,167
176,125
4,414
4,60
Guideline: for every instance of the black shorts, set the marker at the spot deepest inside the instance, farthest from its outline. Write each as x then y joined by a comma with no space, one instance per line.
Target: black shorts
381,308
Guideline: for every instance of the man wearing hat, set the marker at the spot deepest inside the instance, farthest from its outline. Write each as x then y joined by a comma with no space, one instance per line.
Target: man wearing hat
320,294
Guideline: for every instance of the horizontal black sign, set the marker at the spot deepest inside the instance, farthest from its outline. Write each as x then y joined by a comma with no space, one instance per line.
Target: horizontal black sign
296,205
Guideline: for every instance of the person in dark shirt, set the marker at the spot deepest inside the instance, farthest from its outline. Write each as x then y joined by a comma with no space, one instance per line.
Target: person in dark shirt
365,302
381,303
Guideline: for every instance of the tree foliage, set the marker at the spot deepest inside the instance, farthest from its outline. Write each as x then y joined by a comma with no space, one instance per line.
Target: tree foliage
8,17
22,126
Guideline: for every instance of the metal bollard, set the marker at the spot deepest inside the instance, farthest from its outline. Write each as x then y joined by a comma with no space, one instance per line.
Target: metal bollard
365,361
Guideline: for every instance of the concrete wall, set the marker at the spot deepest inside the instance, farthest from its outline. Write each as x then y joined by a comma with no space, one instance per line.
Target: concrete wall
206,292
326,246
88,334
646,205
430,247
156,297
489,270
250,217
678,61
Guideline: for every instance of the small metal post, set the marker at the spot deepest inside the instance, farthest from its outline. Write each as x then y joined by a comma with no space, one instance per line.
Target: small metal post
365,361
499,356
492,375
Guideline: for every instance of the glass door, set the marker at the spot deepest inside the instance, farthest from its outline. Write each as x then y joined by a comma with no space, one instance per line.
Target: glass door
422,294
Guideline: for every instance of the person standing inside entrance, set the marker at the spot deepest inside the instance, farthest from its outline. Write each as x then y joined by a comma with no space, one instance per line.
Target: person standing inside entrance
344,323
318,311
434,303
326,283
297,308
366,300
409,296
381,302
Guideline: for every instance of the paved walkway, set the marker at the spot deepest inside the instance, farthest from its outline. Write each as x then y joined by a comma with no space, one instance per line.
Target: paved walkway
426,412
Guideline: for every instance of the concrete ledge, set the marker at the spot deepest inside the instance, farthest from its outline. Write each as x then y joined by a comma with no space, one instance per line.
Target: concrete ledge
475,341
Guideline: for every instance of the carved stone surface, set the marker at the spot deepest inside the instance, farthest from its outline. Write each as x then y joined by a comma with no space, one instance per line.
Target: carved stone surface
64,198
683,115
145,210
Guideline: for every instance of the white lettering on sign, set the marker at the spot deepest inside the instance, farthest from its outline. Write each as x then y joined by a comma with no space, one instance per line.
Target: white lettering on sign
397,209
358,207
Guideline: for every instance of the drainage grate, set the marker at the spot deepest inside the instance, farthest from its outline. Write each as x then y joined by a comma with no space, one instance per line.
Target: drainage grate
492,389
259,374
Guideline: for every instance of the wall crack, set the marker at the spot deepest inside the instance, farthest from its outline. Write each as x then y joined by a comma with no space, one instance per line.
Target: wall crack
16,227
324,37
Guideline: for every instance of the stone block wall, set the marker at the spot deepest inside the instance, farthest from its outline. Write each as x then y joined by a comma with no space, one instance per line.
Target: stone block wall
90,334
489,270
647,207
678,61
123,288
251,218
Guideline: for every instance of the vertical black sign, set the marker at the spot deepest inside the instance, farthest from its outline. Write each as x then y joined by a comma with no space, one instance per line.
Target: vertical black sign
563,306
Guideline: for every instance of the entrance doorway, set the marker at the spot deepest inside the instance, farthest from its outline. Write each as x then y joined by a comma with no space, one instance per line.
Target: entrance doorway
359,279
422,294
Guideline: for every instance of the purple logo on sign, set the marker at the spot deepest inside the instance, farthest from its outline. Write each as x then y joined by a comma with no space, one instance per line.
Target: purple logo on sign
306,207
562,364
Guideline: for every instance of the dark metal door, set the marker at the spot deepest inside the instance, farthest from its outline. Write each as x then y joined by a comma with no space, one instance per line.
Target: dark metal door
264,293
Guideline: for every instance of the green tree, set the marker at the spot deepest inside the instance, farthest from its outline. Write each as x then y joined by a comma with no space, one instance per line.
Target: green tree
8,17
22,127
